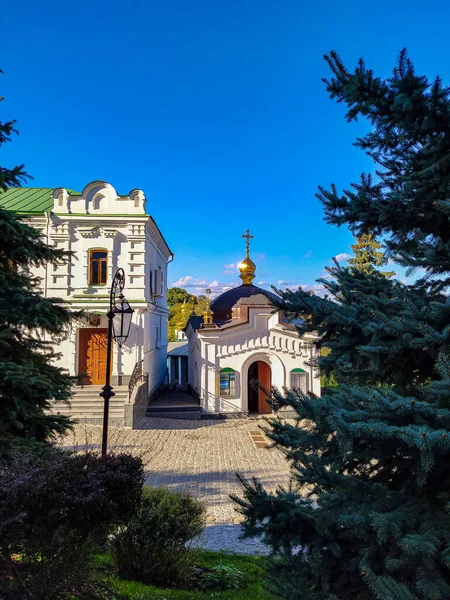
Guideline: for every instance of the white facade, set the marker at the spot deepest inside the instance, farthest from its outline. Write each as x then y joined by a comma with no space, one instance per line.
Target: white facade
254,334
125,236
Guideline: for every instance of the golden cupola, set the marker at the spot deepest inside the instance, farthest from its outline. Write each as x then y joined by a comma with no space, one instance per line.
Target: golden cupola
247,267
208,313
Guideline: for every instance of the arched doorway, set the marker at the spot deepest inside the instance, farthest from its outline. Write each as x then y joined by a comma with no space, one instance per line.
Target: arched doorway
257,399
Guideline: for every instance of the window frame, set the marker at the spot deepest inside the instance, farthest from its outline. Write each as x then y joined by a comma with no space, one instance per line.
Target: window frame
296,372
99,261
229,375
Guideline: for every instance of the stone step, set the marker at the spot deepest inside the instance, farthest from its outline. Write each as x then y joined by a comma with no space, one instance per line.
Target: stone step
85,407
96,394
96,388
94,420
84,398
172,408
91,411
87,401
184,415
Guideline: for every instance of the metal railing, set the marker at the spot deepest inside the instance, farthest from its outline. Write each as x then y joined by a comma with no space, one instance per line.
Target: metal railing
135,378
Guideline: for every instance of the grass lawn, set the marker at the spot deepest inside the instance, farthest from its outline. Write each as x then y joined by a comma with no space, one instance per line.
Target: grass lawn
251,566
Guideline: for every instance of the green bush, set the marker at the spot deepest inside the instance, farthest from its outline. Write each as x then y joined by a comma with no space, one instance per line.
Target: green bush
221,578
153,547
55,510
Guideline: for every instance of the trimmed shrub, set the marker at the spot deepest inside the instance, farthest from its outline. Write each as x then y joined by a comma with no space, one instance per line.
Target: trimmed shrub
55,510
153,547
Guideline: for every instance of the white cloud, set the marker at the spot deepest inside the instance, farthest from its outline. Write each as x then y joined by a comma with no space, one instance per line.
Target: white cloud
183,281
287,284
198,286
342,256
308,254
319,289
231,266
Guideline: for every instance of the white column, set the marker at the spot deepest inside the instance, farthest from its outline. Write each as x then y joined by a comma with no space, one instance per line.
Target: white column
179,371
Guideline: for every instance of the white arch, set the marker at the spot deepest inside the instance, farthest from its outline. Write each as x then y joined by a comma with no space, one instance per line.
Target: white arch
277,368
91,190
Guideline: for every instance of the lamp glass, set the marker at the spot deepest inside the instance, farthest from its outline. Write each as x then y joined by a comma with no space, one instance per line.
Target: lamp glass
123,315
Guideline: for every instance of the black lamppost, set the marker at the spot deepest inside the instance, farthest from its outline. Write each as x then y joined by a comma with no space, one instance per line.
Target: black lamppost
119,322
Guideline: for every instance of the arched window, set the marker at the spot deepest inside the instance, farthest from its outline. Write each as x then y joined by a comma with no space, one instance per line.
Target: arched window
299,380
227,382
98,267
97,202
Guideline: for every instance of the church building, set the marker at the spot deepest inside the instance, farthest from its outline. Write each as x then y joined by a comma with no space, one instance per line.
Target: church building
104,231
242,337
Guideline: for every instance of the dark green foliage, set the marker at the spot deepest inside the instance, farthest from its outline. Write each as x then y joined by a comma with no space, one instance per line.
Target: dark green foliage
361,321
221,577
56,509
28,321
183,305
368,512
176,295
153,547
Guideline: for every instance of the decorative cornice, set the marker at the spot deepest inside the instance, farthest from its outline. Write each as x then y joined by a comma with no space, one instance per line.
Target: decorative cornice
96,232
109,233
89,232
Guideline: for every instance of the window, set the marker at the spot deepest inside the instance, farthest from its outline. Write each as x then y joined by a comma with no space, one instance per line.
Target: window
227,382
98,263
299,380
157,283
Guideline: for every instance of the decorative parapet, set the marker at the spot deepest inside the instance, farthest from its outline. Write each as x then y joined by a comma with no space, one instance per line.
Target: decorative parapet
98,198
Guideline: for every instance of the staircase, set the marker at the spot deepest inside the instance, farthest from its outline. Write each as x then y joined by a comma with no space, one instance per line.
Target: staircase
87,406
173,404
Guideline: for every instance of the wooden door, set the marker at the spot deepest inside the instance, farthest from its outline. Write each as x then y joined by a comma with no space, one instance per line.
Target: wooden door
92,355
265,379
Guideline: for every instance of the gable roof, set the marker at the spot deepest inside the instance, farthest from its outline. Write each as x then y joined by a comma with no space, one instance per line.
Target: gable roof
177,349
29,201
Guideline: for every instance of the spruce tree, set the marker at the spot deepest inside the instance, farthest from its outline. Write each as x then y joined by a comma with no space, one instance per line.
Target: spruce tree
368,255
29,377
367,514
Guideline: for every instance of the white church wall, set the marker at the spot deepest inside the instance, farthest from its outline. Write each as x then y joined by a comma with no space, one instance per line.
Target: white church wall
262,338
101,219
155,348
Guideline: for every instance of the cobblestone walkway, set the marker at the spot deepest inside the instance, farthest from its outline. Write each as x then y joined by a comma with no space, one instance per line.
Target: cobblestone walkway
201,457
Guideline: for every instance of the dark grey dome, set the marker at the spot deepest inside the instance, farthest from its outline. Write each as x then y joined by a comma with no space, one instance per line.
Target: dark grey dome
223,304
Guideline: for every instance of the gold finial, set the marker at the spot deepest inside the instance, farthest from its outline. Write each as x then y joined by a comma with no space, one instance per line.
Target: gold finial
208,313
247,267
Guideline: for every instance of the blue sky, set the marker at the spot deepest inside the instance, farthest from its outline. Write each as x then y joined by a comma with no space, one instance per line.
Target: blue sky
215,108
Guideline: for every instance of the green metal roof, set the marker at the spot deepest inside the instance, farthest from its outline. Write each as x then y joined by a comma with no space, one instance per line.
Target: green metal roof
33,201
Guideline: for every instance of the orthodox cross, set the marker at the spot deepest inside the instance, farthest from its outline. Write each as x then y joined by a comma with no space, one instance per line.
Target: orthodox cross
247,241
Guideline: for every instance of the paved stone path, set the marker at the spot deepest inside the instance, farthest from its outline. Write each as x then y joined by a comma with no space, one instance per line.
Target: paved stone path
201,457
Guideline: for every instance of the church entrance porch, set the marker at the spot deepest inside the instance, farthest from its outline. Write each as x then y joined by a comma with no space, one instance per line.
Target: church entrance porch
257,399
92,352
